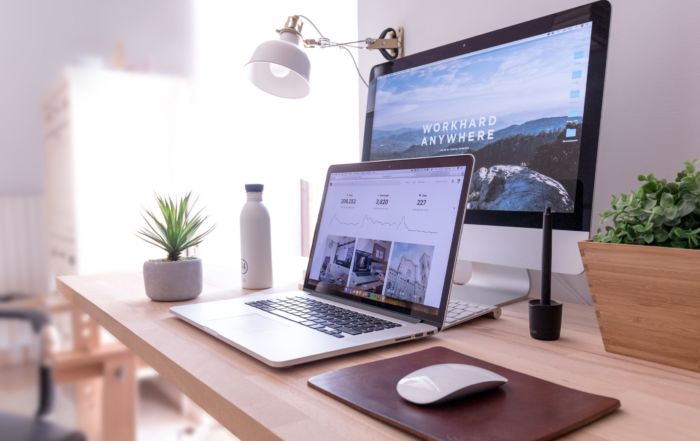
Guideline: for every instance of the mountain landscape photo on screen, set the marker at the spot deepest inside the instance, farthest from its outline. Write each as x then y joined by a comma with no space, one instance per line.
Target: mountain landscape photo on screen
517,108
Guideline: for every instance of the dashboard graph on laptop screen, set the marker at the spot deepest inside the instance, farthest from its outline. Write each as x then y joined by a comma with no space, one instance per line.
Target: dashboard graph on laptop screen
385,235
517,107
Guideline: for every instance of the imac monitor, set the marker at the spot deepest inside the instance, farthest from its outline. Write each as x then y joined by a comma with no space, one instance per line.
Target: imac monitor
526,102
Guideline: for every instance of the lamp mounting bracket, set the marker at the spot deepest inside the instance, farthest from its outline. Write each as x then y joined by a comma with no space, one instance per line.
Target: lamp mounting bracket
387,43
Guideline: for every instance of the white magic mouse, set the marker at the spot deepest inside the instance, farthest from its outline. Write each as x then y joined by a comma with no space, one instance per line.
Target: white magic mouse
444,382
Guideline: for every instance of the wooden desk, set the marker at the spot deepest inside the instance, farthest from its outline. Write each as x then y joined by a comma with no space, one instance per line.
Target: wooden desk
258,402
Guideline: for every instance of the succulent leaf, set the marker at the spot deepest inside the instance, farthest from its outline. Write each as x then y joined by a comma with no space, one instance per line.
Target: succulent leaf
176,229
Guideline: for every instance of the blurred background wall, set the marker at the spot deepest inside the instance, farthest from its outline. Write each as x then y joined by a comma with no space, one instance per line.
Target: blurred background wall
37,40
104,103
206,44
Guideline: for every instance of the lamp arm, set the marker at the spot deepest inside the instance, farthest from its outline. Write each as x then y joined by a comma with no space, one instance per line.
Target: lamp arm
324,42
381,44
390,48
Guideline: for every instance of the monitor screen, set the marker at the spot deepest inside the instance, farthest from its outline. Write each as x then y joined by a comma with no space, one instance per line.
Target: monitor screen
379,237
525,101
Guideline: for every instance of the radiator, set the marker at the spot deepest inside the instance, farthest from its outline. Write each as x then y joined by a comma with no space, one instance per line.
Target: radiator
23,267
23,256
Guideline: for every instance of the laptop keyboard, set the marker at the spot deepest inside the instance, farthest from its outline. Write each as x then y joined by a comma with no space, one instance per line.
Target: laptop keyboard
323,317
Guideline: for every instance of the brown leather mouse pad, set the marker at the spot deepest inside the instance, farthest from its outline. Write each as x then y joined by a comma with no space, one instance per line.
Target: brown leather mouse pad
526,408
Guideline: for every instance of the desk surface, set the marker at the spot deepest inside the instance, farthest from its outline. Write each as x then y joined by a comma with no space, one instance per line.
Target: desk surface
258,402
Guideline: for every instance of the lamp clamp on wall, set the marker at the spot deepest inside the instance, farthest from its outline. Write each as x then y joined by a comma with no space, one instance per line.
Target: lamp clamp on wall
281,68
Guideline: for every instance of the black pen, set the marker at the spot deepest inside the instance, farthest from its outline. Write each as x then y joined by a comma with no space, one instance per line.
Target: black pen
546,256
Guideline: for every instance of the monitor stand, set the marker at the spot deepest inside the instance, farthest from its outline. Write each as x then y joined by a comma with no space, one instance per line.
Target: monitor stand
491,284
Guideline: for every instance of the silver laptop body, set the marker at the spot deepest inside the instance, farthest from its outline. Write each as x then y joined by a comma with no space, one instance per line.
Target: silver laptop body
379,272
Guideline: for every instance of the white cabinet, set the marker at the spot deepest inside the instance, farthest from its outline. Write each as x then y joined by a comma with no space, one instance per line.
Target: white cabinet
113,140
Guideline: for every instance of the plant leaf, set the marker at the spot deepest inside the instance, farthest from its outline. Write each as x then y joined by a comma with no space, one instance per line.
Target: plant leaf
659,212
176,228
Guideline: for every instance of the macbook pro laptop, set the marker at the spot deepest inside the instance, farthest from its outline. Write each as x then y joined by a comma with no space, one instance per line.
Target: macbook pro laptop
379,272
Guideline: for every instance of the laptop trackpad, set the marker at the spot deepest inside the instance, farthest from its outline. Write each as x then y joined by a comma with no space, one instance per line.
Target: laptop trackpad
244,324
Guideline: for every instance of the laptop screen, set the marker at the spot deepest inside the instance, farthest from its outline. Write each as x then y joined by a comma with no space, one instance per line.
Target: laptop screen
387,233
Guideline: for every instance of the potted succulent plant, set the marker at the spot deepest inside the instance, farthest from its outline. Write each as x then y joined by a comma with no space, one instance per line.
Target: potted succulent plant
176,277
643,270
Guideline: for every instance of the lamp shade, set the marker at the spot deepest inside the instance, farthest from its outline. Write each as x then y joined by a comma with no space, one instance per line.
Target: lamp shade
281,68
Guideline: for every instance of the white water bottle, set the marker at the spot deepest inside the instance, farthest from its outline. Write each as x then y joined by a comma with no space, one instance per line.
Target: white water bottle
256,249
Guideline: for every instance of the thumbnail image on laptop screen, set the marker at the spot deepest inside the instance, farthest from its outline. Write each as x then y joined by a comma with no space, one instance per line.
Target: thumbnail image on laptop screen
385,235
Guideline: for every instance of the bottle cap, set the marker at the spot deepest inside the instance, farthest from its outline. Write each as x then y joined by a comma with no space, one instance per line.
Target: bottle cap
254,188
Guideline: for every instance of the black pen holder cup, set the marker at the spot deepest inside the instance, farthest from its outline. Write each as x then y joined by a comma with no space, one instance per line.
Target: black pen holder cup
545,320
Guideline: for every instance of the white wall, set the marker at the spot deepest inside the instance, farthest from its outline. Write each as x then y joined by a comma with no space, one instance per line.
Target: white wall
245,135
249,136
651,101
39,37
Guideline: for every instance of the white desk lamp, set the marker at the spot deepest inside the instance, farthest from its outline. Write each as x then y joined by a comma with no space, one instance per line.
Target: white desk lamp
281,67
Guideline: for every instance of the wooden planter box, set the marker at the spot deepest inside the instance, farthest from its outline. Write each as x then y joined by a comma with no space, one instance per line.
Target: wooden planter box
647,300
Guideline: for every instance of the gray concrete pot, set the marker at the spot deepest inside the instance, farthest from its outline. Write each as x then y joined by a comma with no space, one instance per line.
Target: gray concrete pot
168,281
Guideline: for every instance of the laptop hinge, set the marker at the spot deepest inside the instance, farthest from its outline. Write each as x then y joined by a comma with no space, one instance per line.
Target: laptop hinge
370,308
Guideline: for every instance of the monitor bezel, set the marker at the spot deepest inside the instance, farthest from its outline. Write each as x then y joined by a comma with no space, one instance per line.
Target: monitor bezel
422,312
599,14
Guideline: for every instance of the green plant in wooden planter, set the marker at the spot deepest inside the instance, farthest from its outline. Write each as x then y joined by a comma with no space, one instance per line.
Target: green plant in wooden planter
647,298
659,213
